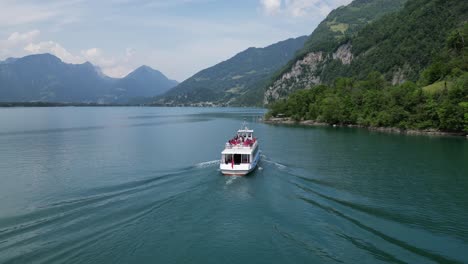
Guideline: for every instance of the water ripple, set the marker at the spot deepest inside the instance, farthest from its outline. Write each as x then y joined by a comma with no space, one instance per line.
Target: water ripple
35,234
419,251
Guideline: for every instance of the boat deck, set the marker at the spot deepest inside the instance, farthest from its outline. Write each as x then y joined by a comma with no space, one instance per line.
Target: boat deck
240,155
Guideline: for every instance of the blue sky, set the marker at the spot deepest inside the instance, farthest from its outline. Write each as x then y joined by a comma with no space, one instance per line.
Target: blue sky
177,37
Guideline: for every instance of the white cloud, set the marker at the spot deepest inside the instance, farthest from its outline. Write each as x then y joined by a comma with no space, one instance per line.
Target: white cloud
91,53
53,48
301,8
17,37
111,66
129,52
11,46
117,71
271,6
14,13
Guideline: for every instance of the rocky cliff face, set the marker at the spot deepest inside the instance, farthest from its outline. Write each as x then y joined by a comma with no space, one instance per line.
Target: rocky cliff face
330,51
306,72
399,76
301,75
343,53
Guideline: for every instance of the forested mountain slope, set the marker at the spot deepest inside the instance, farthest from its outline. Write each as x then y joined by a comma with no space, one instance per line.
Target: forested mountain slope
236,81
410,72
329,44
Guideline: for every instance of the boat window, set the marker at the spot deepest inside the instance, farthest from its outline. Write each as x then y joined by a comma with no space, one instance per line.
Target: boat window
245,158
237,159
227,158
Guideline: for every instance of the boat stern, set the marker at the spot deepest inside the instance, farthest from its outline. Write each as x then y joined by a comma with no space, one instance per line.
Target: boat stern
235,170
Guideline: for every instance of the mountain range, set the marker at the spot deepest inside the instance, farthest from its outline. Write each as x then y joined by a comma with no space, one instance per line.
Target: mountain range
328,45
407,70
399,39
44,77
236,81
399,43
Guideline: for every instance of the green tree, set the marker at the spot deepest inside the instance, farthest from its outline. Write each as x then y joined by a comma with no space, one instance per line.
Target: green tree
464,106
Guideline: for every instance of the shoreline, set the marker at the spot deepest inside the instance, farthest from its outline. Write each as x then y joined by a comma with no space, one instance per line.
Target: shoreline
394,130
53,104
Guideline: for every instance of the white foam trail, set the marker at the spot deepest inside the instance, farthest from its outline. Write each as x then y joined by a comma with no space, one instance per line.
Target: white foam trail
278,165
207,164
231,179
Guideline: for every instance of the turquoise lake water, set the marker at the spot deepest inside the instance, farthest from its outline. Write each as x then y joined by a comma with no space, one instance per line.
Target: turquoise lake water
141,185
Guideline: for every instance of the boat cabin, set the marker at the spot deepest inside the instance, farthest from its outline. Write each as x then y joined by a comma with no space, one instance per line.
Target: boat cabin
241,153
241,148
236,157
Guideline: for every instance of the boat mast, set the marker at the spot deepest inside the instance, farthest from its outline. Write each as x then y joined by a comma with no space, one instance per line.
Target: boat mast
244,125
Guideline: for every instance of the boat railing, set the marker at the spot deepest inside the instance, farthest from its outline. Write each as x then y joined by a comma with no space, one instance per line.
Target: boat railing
240,145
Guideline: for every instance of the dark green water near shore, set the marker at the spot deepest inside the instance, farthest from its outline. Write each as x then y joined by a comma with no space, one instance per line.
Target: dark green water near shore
141,185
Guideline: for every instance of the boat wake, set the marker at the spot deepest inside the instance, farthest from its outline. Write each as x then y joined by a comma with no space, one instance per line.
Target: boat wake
102,210
325,195
207,164
276,164
231,179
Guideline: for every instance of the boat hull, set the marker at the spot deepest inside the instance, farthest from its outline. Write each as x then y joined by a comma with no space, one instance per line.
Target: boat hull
236,172
239,170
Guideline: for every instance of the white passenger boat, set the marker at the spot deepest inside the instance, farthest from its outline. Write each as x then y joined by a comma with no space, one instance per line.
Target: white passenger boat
241,154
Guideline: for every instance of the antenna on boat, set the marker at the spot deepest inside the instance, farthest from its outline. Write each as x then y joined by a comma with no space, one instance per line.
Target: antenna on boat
244,125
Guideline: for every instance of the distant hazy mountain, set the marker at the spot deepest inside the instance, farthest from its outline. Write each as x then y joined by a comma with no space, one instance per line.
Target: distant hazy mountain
236,81
44,77
143,82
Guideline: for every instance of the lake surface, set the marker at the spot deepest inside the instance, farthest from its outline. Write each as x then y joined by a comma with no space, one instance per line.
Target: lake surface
141,185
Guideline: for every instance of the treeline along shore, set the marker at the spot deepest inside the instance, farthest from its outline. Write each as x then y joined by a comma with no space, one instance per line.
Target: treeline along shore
437,103
440,109
429,132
